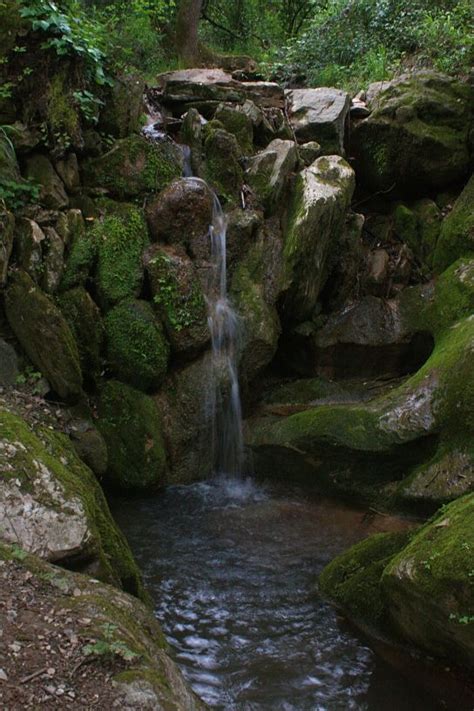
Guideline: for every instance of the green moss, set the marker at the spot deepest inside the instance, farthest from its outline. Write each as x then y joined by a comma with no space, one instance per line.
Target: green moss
304,391
223,170
352,580
406,228
457,231
237,123
62,115
131,426
55,452
137,349
82,253
85,322
121,236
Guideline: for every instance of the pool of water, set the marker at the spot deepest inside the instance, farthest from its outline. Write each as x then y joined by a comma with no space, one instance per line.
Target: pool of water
232,567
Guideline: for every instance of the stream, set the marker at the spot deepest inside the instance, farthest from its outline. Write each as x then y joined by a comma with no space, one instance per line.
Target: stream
232,565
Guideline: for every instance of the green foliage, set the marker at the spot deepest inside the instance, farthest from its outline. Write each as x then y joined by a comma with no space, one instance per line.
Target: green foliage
108,646
180,309
89,105
16,195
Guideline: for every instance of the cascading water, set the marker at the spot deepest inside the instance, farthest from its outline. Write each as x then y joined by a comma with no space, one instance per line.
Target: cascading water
224,400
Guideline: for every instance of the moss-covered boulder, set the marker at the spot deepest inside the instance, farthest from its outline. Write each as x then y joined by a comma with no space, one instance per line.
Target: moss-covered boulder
238,123
223,170
268,172
51,505
131,425
53,260
191,135
137,350
85,321
457,230
134,167
120,238
97,614
28,247
178,298
316,218
44,335
416,138
181,215
52,192
81,250
7,229
124,107
419,227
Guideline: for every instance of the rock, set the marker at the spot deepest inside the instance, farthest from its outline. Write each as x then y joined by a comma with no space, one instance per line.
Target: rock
28,242
416,138
134,167
316,217
379,261
68,170
137,349
81,253
44,335
181,215
52,506
85,321
309,151
7,229
237,122
122,112
183,88
9,169
222,168
120,238
53,260
191,134
131,425
343,283
419,228
319,115
448,476
242,228
178,298
187,427
268,172
457,231
24,138
148,680
9,369
52,193
91,448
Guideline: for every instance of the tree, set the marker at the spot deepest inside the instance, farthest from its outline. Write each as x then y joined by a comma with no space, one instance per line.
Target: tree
187,22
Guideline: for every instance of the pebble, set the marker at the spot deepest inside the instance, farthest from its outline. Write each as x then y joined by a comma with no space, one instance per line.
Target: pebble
3,676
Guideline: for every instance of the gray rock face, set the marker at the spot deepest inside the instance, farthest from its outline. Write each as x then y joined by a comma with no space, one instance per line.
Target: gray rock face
319,115
8,364
268,172
52,193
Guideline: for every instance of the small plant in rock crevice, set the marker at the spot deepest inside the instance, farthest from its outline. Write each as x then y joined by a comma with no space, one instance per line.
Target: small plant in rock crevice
108,647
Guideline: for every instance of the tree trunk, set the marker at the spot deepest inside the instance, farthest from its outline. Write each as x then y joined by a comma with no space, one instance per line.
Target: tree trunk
187,22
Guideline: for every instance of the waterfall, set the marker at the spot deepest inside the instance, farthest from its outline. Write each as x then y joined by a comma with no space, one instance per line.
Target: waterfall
224,405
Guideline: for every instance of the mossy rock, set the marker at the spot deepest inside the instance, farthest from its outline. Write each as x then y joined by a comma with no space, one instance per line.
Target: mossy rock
134,167
44,335
124,107
85,321
68,518
223,171
237,122
120,236
131,424
178,298
457,230
81,253
268,172
137,349
9,168
52,192
7,230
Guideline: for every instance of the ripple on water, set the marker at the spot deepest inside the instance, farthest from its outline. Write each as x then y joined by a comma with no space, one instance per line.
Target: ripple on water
232,567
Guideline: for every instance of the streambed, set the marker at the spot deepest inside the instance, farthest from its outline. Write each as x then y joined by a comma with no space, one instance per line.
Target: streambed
232,566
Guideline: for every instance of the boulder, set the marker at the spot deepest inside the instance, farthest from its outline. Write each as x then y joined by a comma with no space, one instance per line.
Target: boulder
29,238
181,215
134,167
85,321
309,151
191,135
237,122
416,138
68,170
316,218
52,193
90,447
267,172
223,171
122,112
131,425
319,115
178,298
44,335
81,250
419,227
53,260
9,369
457,230
242,229
52,506
137,350
7,230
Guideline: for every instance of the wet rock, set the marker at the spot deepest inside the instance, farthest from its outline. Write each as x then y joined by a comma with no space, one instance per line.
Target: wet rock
52,193
178,298
457,230
416,138
85,321
319,115
131,425
52,506
448,476
316,217
7,229
134,167
237,122
181,215
137,350
44,335
68,171
28,242
268,172
9,369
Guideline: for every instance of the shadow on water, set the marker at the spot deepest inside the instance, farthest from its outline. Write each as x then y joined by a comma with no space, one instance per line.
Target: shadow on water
232,567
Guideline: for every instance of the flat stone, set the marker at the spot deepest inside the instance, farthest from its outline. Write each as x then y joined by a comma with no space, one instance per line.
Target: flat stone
319,115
